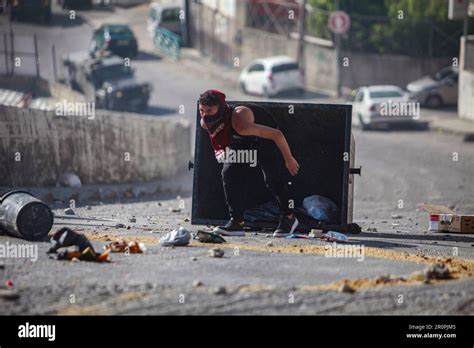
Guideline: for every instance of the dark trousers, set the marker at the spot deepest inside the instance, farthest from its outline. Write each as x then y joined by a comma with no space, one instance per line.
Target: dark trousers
276,176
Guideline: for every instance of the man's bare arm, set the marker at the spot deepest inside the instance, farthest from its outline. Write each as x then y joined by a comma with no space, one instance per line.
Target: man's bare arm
244,123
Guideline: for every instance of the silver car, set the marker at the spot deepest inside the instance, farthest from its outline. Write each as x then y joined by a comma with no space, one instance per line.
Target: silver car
436,90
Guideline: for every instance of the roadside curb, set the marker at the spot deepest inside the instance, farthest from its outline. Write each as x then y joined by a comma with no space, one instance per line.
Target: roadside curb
436,125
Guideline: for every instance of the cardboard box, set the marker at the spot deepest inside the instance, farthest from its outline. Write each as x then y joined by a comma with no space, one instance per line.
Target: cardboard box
449,220
462,224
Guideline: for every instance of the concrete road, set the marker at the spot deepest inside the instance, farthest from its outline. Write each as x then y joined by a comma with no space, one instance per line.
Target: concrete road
400,169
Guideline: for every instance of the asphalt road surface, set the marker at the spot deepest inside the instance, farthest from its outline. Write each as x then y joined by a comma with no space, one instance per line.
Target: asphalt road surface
289,277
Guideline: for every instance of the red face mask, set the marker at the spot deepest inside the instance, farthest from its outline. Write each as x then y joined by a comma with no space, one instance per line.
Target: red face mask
212,121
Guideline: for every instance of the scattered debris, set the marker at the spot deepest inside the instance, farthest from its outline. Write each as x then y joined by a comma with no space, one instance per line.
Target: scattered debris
65,237
297,236
468,137
416,276
333,236
384,221
388,279
88,207
396,216
124,246
186,220
221,290
72,253
437,271
70,180
194,259
197,283
216,252
68,245
269,244
132,219
174,210
119,225
208,237
346,288
9,294
371,229
69,211
315,233
177,237
394,224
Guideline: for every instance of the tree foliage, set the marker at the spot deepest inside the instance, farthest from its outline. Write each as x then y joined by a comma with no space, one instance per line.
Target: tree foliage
413,27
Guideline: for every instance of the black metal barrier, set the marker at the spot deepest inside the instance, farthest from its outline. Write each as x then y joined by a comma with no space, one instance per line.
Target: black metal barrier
319,136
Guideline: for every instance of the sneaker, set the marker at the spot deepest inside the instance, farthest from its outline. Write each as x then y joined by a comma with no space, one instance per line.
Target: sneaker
232,228
286,226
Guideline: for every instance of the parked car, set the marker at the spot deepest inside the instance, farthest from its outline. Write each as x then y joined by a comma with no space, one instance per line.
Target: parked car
116,38
270,76
31,10
76,4
374,106
107,81
126,3
165,15
436,90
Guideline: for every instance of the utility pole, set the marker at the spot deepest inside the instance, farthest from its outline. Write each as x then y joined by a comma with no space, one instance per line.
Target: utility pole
337,39
301,31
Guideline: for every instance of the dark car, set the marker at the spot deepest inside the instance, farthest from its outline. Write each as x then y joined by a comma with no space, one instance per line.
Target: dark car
116,38
107,81
30,10
76,4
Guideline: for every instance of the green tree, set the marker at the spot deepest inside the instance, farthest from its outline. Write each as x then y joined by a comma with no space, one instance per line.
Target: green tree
414,27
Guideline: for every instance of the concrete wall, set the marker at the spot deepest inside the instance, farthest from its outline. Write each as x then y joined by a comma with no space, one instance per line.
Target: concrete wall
94,149
466,79
370,69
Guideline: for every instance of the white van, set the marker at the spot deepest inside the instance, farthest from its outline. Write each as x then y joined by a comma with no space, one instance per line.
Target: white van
165,15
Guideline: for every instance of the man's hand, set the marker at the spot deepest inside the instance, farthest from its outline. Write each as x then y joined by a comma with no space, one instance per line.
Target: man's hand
292,165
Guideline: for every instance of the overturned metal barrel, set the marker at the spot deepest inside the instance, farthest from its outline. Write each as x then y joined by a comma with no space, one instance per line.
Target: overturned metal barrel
24,216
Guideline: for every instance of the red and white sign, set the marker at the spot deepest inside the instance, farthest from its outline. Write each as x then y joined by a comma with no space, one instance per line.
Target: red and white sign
339,22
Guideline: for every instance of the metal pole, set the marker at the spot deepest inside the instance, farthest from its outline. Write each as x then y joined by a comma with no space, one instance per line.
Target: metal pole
36,57
7,69
12,50
55,71
337,38
301,31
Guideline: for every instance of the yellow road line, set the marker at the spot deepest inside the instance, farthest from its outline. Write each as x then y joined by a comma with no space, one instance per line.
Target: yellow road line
459,268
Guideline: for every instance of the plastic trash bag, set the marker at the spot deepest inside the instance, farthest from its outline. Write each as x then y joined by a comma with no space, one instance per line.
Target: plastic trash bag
320,208
208,237
332,236
177,237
